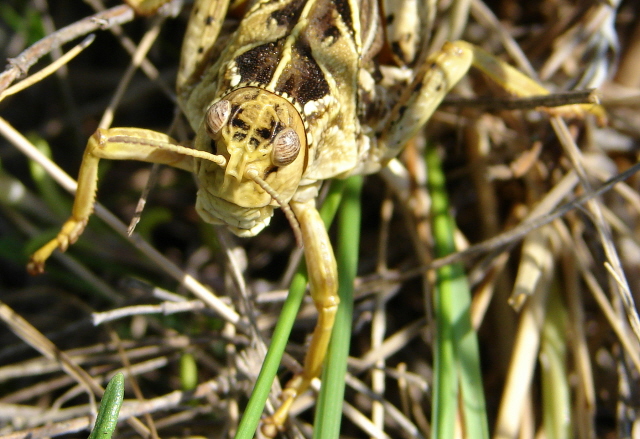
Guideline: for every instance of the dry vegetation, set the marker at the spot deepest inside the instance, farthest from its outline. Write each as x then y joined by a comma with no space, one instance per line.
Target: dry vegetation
501,165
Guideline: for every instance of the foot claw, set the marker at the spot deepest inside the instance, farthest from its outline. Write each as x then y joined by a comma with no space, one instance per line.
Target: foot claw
69,234
269,427
38,259
35,268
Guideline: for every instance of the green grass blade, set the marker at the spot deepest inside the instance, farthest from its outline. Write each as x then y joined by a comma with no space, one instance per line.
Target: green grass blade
556,391
109,408
329,409
457,375
255,406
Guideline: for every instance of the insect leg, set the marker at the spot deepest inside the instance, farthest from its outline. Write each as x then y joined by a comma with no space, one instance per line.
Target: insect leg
205,22
323,283
114,144
441,72
433,80
517,84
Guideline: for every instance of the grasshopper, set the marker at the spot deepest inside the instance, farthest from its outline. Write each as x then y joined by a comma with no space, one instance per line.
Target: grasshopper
290,97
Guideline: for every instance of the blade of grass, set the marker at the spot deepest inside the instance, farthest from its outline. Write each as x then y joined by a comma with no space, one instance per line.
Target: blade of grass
556,392
257,400
329,409
457,377
107,418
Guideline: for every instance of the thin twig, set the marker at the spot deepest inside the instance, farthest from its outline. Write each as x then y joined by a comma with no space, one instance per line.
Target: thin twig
556,99
21,64
48,70
164,308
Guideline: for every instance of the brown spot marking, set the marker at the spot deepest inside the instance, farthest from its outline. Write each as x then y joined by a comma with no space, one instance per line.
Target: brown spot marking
239,136
289,14
303,79
259,64
239,123
265,133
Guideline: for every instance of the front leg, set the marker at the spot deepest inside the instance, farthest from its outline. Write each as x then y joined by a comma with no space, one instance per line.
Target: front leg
323,283
114,144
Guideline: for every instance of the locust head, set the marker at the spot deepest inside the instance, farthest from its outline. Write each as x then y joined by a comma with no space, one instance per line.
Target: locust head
261,136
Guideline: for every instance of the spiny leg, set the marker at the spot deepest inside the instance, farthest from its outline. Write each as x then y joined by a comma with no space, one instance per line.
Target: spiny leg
114,144
433,80
323,283
517,84
441,72
205,22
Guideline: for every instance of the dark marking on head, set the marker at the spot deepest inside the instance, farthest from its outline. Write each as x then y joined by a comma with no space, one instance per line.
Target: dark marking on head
389,18
265,133
239,123
239,136
200,49
208,20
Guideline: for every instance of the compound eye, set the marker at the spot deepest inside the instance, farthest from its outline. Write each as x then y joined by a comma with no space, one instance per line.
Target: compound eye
217,115
286,146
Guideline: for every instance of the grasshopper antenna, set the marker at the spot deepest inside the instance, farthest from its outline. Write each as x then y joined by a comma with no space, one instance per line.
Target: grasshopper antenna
217,159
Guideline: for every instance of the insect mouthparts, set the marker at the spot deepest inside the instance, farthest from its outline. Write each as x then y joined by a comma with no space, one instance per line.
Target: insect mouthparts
252,174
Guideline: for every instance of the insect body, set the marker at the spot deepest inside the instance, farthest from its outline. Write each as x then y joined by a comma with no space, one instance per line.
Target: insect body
290,97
